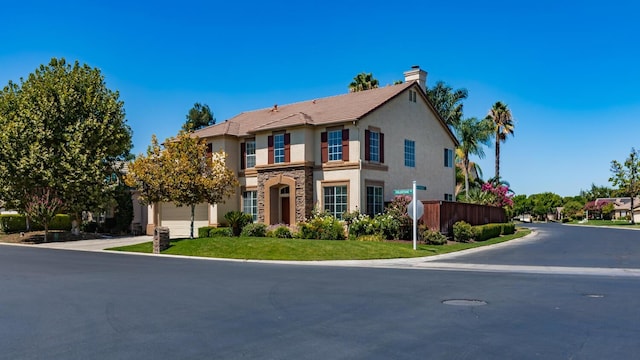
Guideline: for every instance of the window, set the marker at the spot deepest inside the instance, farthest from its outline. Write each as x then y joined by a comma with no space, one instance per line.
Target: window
250,204
409,153
250,153
278,148
448,197
374,146
375,203
335,200
335,145
412,96
448,158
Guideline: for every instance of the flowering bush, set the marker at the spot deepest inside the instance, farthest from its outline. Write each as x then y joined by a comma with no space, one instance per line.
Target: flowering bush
500,194
321,226
361,224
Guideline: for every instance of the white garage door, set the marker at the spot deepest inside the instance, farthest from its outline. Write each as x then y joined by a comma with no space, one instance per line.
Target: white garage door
178,219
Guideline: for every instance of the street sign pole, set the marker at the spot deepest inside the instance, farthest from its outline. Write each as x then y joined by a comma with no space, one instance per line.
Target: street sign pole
415,217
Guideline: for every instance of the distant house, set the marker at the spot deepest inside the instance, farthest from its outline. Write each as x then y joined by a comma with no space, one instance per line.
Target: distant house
622,207
335,154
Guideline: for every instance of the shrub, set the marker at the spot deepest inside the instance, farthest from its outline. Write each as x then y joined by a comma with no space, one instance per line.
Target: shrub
462,232
220,232
371,238
433,237
392,227
10,223
510,228
398,225
362,224
237,220
486,232
282,232
321,226
203,232
60,222
89,226
254,230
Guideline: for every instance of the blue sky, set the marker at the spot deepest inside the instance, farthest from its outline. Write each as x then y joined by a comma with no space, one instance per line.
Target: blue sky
569,71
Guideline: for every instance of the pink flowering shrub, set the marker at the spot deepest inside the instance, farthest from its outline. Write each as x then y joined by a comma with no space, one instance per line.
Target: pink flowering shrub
501,194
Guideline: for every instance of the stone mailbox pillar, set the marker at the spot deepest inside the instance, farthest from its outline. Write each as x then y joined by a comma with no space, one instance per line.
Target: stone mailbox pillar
160,239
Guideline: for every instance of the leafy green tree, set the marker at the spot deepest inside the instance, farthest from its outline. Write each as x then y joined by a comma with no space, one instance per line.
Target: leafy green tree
64,130
501,117
472,135
199,116
607,210
521,204
363,81
626,176
148,175
447,102
183,173
573,209
545,203
597,192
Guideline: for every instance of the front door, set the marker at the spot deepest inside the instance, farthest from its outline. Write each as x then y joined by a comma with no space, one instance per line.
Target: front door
284,205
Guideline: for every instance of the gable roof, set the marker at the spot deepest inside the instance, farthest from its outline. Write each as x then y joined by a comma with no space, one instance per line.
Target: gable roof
322,111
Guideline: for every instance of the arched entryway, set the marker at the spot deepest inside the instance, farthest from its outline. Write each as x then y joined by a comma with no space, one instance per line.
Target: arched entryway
280,202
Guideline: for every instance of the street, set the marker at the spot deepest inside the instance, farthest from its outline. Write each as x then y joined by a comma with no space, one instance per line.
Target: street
57,304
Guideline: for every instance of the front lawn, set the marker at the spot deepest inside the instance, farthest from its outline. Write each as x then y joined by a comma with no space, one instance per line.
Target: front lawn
296,249
620,223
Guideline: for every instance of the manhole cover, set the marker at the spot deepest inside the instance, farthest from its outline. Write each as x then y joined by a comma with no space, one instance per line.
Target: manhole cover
594,295
464,302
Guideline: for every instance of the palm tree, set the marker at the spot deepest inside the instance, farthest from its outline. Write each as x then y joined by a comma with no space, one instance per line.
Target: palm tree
502,120
472,135
447,102
362,82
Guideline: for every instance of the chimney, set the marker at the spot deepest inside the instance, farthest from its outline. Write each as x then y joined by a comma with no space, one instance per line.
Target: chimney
416,74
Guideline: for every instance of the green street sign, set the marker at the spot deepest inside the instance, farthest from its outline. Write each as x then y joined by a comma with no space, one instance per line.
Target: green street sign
421,187
403,192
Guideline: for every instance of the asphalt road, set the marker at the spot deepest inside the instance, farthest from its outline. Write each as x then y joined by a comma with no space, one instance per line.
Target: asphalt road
569,246
57,304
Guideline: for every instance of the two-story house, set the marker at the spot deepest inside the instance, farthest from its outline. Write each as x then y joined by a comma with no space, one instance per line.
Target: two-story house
338,154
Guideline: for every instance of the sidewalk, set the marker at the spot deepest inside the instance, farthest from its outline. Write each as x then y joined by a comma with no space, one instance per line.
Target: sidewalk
96,244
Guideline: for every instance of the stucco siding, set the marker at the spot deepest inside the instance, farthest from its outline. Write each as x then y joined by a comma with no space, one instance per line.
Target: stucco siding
401,119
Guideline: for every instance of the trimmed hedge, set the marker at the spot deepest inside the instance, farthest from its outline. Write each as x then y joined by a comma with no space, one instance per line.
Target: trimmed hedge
489,231
203,232
213,231
221,232
508,228
11,223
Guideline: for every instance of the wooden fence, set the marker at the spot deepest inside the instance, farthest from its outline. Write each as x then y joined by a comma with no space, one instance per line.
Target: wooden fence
441,215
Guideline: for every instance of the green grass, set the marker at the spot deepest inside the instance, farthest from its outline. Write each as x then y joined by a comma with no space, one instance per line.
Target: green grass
306,250
620,223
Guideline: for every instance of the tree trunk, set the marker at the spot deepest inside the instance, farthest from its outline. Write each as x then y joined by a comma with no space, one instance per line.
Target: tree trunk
193,210
497,158
632,220
465,163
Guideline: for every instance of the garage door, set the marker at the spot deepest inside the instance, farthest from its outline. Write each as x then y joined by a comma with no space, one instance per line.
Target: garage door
178,219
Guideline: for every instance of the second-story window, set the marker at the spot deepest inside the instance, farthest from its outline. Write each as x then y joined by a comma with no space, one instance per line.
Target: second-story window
409,153
335,145
278,148
448,158
250,149
374,146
